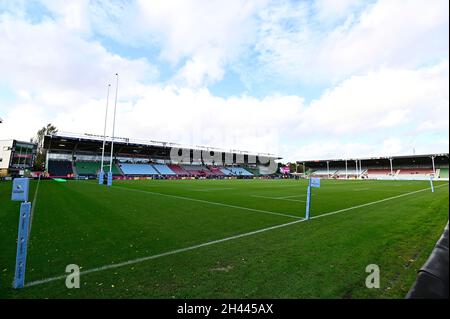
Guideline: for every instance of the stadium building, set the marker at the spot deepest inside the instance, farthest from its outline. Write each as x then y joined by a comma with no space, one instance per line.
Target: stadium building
412,167
79,156
16,157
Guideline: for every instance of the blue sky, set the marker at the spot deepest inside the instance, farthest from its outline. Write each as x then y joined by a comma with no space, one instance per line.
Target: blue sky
302,79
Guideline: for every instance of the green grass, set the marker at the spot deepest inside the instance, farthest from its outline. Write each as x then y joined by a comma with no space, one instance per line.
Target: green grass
92,226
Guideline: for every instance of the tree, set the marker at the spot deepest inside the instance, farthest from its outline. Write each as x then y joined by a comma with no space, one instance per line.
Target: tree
39,140
46,130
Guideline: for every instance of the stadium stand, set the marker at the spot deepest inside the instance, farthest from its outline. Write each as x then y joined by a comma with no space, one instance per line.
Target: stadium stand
178,170
138,169
60,168
420,171
413,173
215,171
376,171
225,171
254,171
239,171
196,170
85,168
325,172
163,169
342,172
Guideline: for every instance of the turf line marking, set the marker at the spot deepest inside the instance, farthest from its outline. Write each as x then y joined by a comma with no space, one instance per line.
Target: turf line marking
181,250
278,198
279,186
211,203
33,204
290,196
211,189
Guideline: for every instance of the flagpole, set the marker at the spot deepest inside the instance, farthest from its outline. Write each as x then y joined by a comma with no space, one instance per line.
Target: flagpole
102,173
113,131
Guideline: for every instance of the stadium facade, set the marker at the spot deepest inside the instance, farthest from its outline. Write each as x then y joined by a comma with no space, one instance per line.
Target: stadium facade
16,157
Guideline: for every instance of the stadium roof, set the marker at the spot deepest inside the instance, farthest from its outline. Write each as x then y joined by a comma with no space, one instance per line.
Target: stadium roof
377,158
67,139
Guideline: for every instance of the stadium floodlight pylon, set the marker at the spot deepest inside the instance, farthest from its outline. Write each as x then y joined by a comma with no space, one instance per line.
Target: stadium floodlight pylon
101,175
110,174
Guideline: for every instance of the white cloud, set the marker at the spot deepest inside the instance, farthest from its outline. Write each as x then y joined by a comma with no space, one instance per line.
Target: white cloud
331,10
209,34
202,37
72,15
386,34
55,64
383,100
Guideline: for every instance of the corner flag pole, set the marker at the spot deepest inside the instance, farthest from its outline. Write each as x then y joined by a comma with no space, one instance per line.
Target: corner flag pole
102,173
112,139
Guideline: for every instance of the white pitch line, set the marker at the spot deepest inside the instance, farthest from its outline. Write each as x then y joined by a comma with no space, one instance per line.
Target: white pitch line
278,198
279,186
181,250
284,197
211,189
211,203
33,204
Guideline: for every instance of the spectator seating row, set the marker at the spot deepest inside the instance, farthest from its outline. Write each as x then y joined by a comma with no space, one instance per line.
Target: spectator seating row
60,168
138,169
239,171
86,168
163,169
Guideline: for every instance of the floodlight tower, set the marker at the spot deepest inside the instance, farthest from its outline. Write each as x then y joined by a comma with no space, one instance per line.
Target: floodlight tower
101,175
110,175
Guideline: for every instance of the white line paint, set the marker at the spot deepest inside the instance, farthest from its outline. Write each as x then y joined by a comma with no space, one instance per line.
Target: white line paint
211,189
278,198
279,186
284,197
181,250
33,204
210,203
